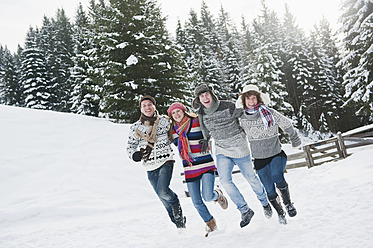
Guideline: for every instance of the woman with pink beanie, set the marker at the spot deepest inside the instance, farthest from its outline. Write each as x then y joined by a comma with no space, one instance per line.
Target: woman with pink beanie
199,167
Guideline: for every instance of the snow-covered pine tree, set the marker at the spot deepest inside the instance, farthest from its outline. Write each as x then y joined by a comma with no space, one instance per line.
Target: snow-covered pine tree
247,58
56,45
209,61
330,78
64,54
2,52
357,26
34,73
191,41
267,73
11,91
296,64
136,56
317,89
86,95
228,36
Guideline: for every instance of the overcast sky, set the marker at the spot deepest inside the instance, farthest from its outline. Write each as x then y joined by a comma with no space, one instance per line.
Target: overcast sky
16,16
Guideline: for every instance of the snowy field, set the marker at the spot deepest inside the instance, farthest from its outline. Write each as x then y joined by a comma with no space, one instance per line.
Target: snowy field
66,181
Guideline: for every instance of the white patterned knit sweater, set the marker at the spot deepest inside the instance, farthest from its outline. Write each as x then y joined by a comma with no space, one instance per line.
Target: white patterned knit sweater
162,150
265,143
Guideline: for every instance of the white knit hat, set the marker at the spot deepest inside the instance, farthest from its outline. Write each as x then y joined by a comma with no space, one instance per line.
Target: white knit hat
251,87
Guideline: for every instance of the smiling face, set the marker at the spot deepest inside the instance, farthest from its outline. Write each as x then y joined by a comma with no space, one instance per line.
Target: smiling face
251,101
177,115
147,108
206,99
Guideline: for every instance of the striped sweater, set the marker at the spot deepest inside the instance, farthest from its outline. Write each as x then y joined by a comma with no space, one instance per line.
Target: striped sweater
202,162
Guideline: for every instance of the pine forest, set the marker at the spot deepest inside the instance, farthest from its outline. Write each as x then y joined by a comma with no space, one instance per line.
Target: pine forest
104,59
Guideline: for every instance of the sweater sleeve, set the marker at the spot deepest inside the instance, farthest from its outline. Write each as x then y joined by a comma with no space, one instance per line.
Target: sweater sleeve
133,141
235,112
285,124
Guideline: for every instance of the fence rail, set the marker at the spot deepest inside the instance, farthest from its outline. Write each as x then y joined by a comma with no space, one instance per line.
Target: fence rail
328,150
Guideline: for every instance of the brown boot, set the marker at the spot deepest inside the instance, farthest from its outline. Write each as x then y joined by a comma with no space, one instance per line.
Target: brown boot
210,226
223,202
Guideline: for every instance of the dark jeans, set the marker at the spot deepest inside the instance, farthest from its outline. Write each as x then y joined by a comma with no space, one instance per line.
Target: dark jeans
272,175
160,180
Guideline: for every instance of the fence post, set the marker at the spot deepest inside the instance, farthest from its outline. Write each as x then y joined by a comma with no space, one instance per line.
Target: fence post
307,149
342,145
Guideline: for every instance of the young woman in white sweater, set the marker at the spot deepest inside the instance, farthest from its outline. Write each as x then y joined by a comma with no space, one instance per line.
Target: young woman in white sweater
261,125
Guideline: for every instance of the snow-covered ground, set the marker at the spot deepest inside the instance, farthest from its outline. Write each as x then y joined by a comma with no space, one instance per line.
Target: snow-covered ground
66,181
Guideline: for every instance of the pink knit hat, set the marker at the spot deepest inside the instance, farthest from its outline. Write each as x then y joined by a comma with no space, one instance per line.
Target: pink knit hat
176,105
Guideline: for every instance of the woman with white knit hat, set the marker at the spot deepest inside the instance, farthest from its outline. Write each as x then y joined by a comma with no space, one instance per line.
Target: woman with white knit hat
261,125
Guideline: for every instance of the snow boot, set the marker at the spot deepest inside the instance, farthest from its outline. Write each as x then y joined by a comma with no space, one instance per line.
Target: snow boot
267,211
223,202
180,220
246,218
287,202
210,226
277,206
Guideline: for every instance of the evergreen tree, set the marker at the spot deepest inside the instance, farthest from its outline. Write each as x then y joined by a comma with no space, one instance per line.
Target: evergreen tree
330,77
34,73
56,45
230,58
86,95
267,73
357,21
11,91
191,40
62,86
2,52
139,56
247,58
296,68
211,70
315,98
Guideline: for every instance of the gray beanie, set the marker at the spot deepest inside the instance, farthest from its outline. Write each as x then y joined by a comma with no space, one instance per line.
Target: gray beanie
200,89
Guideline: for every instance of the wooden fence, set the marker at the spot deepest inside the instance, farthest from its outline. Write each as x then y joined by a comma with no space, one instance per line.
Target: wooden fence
324,151
331,149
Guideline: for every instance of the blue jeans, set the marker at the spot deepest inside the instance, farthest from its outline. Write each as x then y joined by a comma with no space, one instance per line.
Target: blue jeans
225,166
273,173
160,179
207,182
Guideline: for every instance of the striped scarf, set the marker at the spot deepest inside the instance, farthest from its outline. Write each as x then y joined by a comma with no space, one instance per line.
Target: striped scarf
183,145
265,114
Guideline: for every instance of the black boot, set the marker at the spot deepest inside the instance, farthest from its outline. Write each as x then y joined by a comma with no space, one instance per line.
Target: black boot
277,206
246,218
287,202
180,220
267,211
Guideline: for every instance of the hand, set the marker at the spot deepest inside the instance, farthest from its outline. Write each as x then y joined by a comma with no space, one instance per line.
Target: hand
204,146
137,156
147,151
